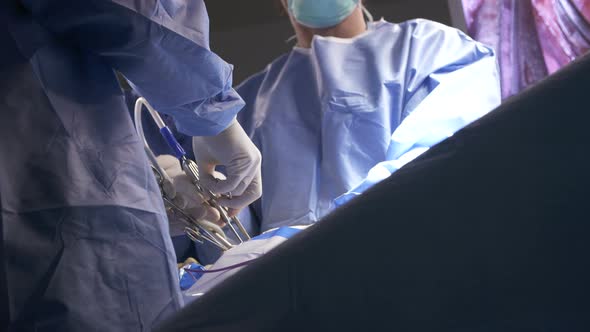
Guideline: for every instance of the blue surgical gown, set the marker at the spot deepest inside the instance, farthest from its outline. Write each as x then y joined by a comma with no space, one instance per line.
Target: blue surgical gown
334,119
85,239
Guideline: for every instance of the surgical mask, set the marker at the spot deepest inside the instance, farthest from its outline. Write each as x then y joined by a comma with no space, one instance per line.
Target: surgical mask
321,13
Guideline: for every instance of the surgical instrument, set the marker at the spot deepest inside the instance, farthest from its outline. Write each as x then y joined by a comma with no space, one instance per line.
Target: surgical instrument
192,171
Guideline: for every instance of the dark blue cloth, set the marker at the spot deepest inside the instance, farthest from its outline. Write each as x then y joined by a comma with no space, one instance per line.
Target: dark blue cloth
85,235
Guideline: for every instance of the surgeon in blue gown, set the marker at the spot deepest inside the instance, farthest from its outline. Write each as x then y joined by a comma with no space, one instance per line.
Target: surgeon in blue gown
354,101
85,239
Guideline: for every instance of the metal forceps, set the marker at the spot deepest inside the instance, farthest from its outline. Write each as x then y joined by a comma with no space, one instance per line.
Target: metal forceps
191,169
195,231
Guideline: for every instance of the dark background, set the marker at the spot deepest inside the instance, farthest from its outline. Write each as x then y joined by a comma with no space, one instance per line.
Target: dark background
249,34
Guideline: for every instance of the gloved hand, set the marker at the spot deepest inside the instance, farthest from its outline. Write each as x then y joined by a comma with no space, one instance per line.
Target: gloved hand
233,149
182,192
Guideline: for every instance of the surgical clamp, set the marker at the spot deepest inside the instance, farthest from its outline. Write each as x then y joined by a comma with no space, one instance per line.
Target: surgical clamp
194,230
191,170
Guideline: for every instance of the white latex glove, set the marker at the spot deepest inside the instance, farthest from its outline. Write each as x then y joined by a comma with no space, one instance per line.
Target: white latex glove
183,193
233,149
